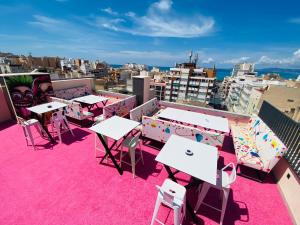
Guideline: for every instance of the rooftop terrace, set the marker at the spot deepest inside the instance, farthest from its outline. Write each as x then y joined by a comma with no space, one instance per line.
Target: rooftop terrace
64,184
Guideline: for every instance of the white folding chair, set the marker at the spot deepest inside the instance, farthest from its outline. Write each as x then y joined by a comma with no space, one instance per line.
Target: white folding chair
27,125
60,124
224,180
172,195
131,143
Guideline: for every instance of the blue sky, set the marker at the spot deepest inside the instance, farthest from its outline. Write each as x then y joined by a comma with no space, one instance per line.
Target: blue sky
159,32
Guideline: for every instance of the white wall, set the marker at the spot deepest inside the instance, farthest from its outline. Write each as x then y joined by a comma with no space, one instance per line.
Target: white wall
70,83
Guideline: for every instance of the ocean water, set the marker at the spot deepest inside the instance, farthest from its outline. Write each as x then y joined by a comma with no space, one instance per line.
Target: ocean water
221,73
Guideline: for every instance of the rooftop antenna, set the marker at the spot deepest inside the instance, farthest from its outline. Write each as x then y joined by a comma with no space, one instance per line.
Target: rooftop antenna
196,58
190,56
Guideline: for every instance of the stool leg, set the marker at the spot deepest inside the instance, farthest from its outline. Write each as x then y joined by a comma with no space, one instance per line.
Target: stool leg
68,126
132,158
26,135
184,208
121,155
42,131
177,216
36,126
157,204
141,152
202,194
57,128
28,130
95,145
224,203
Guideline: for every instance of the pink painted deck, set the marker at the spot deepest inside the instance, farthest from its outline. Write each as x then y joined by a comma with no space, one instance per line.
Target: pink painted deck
64,184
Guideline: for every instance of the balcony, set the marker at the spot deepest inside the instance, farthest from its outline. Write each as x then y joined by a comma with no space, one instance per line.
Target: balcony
65,184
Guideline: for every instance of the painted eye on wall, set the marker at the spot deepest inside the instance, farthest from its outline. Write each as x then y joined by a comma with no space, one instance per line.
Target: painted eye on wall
28,95
16,96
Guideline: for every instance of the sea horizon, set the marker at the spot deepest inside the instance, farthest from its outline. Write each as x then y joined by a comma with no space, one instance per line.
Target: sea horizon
223,72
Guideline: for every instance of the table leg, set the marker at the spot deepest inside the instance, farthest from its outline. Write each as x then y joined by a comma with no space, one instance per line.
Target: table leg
42,122
90,107
188,205
171,175
108,152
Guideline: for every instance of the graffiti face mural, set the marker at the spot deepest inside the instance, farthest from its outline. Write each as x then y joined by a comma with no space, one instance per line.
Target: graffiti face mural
42,89
21,94
28,90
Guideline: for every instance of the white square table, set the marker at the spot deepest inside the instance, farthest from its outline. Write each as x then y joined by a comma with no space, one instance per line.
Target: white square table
115,128
202,164
91,100
199,119
44,108
47,107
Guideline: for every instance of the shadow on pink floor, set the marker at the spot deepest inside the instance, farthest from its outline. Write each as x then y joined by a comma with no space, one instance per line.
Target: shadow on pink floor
64,184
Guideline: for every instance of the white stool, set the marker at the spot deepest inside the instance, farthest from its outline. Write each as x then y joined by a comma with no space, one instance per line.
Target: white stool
26,125
98,119
131,143
224,180
172,195
58,121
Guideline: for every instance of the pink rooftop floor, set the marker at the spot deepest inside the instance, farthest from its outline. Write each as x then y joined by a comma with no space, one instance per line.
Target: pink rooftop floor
64,184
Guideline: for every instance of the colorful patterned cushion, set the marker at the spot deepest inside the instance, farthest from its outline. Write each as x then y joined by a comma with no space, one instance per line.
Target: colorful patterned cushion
257,146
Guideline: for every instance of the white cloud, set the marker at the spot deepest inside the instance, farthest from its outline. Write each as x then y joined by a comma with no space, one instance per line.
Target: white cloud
48,23
236,60
109,11
295,20
163,5
297,54
130,14
160,21
292,60
208,60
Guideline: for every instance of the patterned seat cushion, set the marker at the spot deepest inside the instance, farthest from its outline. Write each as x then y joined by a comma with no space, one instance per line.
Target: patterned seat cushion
245,148
257,146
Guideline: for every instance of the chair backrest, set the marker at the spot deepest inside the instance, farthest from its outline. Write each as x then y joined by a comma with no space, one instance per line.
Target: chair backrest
168,196
21,121
74,110
58,115
232,175
134,141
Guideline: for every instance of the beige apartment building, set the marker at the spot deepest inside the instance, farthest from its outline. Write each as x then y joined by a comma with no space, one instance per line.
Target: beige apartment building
285,98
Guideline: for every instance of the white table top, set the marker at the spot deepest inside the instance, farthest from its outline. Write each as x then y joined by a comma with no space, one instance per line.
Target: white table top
47,107
90,99
115,127
201,165
199,119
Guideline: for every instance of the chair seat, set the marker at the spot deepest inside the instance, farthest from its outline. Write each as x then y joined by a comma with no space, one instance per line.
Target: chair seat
246,150
222,180
99,118
178,190
126,142
87,114
31,121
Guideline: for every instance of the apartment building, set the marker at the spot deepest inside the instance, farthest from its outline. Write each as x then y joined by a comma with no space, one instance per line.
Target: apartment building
235,88
284,98
189,83
159,89
241,69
